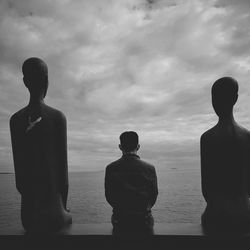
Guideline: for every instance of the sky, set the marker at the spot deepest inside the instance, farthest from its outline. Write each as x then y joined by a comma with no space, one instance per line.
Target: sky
117,65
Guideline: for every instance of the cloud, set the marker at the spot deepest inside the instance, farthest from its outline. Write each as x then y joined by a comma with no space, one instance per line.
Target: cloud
126,65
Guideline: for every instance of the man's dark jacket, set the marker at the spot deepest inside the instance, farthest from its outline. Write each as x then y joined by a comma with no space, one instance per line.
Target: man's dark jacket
131,185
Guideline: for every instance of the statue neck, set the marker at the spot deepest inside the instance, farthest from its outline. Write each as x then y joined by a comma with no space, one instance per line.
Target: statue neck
36,101
226,120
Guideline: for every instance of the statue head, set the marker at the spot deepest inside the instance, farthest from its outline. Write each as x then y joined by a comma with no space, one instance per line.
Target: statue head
35,76
224,96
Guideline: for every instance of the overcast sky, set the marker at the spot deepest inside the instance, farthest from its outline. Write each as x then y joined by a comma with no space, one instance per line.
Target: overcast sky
117,65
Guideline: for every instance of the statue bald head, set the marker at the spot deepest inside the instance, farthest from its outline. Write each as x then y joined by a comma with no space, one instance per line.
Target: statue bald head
35,76
224,95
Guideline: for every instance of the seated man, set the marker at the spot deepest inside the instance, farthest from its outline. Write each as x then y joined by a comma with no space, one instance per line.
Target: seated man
131,188
225,164
39,144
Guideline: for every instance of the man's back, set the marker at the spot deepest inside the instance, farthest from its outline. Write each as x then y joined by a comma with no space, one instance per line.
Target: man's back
131,185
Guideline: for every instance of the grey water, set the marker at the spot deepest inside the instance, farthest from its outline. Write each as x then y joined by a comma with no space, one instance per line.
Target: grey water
179,201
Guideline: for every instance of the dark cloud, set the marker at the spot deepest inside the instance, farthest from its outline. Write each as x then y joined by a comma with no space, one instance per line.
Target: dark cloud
126,65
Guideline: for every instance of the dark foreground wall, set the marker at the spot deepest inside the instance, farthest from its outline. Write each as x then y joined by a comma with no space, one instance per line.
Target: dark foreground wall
99,236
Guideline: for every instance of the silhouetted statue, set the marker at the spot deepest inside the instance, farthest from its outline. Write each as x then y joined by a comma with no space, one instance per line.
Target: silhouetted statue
225,164
39,144
131,189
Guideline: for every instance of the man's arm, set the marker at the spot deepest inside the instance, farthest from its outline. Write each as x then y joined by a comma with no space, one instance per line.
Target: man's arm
153,188
109,188
62,167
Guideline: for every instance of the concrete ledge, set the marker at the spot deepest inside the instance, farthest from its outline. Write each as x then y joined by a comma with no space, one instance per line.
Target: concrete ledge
184,229
106,229
171,229
99,236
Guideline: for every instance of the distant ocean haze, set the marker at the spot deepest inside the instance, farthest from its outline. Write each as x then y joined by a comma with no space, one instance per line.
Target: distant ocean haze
179,199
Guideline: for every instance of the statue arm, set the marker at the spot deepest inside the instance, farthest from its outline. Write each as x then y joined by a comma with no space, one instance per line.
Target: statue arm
62,167
17,155
248,170
204,168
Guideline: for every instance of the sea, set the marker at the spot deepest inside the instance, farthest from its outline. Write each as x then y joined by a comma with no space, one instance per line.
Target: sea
179,200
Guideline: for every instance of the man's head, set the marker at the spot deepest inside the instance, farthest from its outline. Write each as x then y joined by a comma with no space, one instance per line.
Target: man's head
129,142
224,95
35,76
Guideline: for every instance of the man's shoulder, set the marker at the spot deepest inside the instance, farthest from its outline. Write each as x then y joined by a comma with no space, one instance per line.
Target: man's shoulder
136,161
113,165
146,164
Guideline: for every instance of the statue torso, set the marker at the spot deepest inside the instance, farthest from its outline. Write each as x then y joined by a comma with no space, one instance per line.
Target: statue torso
227,168
37,148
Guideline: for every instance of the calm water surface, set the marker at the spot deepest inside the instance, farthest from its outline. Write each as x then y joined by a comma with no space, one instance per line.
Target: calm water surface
179,199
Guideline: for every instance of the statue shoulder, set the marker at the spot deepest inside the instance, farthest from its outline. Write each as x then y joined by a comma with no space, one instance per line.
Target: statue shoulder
54,114
209,135
242,130
17,117
242,133
247,134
